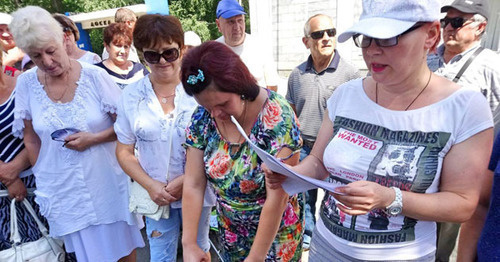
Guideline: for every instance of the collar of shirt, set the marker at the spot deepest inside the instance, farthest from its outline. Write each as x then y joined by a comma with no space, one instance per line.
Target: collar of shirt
333,64
458,57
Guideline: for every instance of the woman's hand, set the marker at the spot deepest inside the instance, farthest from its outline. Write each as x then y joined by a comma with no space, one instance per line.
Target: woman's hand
8,174
17,190
80,141
193,253
158,193
360,197
174,187
273,180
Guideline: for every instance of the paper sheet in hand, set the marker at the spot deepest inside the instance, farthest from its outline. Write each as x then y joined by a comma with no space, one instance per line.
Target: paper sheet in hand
295,183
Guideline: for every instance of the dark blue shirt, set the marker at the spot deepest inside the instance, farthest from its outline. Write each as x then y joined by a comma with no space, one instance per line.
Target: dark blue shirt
488,247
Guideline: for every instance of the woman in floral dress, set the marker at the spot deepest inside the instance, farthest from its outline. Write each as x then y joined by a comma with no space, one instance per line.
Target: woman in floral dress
255,222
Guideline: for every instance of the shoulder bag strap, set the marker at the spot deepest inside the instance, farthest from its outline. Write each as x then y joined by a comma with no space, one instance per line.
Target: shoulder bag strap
469,61
15,237
32,212
5,192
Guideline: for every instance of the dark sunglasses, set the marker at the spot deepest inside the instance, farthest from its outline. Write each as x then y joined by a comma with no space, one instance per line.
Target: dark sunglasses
170,55
456,22
319,34
363,41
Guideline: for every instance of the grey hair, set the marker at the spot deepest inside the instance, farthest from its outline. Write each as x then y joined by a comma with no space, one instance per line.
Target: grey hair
478,19
307,25
34,27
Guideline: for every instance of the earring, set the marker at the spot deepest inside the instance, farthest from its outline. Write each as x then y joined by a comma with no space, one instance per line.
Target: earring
243,97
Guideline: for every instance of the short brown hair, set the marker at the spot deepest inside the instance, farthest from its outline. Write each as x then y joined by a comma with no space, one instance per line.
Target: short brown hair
67,25
123,15
153,30
117,33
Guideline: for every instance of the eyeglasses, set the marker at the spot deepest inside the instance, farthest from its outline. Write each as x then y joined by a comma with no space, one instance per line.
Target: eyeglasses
363,41
319,34
170,55
456,22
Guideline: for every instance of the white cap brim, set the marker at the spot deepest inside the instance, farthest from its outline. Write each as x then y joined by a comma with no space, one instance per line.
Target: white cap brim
376,27
5,19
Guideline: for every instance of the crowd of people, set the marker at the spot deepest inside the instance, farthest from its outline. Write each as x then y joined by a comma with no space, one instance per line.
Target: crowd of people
161,132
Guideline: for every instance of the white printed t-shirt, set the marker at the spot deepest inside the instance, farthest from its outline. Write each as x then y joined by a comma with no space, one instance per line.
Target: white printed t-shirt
404,149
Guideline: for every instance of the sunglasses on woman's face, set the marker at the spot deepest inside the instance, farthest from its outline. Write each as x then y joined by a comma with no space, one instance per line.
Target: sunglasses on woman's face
456,22
170,55
363,41
319,34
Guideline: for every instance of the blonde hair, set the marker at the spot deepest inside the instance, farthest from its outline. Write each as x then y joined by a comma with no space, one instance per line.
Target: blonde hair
34,27
124,15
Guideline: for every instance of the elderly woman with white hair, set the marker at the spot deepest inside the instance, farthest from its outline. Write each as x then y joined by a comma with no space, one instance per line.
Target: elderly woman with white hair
65,110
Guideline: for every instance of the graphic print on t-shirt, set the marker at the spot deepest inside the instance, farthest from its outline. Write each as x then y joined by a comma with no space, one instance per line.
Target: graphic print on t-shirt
364,151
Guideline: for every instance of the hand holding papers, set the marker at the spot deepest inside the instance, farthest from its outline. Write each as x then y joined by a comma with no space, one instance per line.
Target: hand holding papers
295,183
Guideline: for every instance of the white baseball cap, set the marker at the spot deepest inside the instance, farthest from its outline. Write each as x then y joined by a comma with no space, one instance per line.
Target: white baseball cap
5,19
384,19
191,38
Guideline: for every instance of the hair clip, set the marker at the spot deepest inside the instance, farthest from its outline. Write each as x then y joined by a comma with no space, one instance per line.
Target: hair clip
192,79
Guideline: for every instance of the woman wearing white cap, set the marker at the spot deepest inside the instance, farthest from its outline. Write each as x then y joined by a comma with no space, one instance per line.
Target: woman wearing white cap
11,54
404,144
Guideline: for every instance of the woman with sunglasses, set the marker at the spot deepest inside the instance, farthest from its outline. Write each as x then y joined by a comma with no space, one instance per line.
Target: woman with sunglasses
152,117
65,110
404,145
117,41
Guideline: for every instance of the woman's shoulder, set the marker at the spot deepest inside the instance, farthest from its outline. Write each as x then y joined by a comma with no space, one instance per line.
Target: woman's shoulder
200,115
352,87
137,89
447,92
91,68
28,76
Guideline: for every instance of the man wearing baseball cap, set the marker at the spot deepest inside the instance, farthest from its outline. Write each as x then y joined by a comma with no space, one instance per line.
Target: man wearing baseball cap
12,55
463,28
231,23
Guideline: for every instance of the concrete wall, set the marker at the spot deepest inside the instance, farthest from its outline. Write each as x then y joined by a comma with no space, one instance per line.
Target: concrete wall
284,23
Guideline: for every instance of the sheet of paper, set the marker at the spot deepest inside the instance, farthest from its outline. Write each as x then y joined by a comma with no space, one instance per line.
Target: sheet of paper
295,182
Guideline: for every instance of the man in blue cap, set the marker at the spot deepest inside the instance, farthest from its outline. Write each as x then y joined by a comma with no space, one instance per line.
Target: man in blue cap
231,23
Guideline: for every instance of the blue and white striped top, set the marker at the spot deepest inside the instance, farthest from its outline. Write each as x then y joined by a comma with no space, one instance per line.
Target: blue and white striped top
10,145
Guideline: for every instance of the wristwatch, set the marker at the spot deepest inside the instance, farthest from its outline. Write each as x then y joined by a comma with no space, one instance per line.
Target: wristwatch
396,207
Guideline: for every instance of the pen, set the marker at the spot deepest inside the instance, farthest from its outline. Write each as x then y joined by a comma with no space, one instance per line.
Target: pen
65,142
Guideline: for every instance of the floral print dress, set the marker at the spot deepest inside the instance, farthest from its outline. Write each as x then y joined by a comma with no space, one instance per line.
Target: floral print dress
239,181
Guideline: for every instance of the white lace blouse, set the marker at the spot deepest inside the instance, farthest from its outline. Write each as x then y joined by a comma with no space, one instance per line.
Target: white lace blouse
158,137
74,189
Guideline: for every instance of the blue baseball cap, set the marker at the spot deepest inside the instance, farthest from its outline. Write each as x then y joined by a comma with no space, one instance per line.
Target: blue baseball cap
229,8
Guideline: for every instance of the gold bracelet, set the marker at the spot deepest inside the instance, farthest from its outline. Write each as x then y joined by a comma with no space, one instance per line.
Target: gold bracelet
321,161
